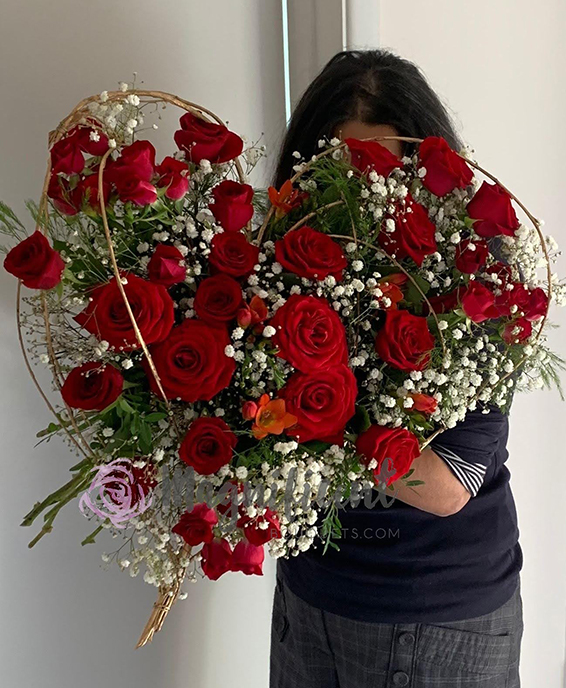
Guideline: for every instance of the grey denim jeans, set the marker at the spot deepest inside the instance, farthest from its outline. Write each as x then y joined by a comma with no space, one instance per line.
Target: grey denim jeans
312,648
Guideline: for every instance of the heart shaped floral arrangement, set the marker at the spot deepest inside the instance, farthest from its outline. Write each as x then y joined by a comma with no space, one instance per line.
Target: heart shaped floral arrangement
228,360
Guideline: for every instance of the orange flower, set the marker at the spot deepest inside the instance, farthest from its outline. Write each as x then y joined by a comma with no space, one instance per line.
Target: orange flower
286,198
271,417
391,288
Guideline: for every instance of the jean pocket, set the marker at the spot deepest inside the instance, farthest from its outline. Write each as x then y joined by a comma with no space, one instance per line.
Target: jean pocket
465,651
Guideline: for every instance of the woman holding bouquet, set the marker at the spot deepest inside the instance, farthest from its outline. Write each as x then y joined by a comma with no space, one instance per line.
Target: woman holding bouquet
424,591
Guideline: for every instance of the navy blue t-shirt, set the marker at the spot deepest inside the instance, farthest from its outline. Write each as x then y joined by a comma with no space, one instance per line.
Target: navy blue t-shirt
399,564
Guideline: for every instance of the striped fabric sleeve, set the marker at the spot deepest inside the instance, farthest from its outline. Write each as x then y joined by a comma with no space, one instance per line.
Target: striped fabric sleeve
471,475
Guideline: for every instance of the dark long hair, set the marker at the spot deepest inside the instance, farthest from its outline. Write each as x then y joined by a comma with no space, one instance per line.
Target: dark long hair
372,86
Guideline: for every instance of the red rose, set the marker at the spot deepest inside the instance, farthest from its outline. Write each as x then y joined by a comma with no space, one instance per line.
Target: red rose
413,235
309,334
67,156
127,485
233,254
165,266
371,155
207,140
253,530
323,402
445,169
137,159
232,205
208,445
64,198
517,331
195,527
92,386
447,302
91,140
107,318
394,449
404,341
35,263
218,299
173,176
423,403
470,260
136,190
216,558
491,208
89,191
191,362
308,253
537,305
248,558
478,302
132,173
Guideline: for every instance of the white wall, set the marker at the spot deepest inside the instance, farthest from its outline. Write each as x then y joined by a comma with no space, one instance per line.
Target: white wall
65,622
500,65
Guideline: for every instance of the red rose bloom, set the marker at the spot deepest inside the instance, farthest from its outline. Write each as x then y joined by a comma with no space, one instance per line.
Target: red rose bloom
216,558
67,156
253,531
478,302
517,331
404,341
191,362
136,190
309,334
35,263
207,140
218,299
469,260
137,159
323,401
92,386
248,558
165,266
233,254
232,205
107,318
371,155
309,253
413,235
445,169
91,140
394,449
208,445
173,176
195,527
492,209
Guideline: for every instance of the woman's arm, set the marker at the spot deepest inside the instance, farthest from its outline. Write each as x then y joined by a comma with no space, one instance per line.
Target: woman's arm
442,494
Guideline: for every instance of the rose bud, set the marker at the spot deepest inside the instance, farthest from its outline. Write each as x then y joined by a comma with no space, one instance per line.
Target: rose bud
248,558
249,410
216,558
423,403
244,317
